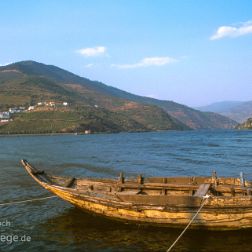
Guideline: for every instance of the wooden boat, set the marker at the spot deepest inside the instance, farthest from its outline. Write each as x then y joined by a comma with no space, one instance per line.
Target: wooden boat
162,201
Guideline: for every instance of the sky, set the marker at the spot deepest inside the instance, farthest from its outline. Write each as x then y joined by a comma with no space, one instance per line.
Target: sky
192,52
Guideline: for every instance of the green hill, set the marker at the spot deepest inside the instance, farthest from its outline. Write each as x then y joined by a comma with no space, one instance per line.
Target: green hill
246,125
27,83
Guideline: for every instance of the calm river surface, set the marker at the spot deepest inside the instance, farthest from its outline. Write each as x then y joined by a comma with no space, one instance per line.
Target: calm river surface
54,225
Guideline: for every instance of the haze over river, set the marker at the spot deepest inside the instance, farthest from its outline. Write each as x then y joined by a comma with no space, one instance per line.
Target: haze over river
55,225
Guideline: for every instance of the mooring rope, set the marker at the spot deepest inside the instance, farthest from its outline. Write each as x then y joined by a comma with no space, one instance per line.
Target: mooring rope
24,201
190,222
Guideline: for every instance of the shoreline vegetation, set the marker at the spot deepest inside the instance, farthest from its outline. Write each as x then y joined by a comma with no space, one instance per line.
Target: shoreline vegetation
100,133
65,134
247,125
36,134
76,134
79,121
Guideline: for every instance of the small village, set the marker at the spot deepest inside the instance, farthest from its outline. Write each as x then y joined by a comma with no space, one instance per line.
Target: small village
6,116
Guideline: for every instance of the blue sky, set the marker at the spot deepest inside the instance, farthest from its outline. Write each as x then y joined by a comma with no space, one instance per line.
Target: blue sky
192,52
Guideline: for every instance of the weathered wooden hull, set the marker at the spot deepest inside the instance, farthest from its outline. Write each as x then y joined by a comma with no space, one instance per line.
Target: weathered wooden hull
219,213
209,218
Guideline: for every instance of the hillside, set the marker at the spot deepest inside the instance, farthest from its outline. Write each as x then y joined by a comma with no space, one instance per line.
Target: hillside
70,122
193,118
235,110
245,125
27,83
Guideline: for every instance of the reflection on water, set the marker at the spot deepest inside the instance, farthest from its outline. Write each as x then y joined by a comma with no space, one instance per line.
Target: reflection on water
55,225
81,228
74,230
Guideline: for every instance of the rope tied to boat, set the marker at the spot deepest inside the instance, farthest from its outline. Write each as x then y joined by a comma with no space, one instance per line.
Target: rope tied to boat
204,201
28,200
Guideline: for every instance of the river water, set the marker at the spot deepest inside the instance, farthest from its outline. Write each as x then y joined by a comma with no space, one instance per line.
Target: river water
54,225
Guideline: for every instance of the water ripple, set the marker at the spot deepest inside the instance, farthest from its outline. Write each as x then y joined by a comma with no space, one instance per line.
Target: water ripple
55,225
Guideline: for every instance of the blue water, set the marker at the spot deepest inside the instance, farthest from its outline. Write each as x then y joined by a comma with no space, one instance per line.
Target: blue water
55,225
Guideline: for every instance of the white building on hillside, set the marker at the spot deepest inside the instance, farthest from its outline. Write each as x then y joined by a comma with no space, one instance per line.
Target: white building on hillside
5,115
31,108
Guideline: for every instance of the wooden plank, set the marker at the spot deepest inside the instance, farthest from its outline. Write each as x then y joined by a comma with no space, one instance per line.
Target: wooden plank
202,190
159,186
161,200
129,192
229,188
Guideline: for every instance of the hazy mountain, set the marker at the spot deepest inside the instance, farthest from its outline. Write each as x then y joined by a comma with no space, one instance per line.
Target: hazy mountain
219,107
236,110
29,82
241,112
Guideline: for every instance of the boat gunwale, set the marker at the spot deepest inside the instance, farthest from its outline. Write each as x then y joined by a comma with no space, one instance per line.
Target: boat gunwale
92,198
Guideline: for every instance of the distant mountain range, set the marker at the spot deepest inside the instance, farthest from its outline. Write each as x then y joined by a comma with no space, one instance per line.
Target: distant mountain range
236,110
93,105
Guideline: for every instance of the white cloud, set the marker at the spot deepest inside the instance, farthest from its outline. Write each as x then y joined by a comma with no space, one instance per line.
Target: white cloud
148,61
232,31
92,51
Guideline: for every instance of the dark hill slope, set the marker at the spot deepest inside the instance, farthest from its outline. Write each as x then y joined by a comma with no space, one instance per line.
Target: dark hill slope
191,117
